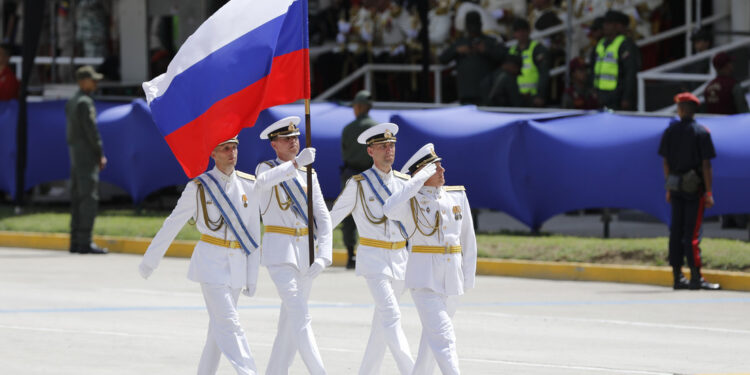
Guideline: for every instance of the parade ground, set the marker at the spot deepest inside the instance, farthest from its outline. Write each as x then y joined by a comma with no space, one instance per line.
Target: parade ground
80,314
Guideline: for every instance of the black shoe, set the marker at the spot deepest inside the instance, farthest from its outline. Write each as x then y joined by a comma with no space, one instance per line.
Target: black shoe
350,264
701,283
681,283
74,249
92,249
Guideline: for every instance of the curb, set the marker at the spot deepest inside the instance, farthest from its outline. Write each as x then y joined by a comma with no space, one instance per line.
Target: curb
661,276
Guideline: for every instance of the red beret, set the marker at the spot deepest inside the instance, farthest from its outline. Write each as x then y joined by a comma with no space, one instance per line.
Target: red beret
686,97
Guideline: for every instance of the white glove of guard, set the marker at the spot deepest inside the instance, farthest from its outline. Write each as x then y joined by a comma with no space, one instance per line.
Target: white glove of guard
306,157
425,173
249,290
145,270
316,268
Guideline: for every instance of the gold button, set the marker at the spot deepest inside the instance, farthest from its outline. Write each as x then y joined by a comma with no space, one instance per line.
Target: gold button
445,227
443,211
449,259
298,240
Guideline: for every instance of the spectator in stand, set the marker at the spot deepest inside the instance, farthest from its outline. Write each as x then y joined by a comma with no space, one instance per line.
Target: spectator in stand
616,61
533,82
701,41
595,33
579,95
463,8
8,81
541,7
502,86
476,55
724,95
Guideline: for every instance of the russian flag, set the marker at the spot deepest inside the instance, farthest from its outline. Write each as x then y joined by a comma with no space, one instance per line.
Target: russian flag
248,56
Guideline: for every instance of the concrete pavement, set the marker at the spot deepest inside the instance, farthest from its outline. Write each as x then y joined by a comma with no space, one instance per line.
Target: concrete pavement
81,314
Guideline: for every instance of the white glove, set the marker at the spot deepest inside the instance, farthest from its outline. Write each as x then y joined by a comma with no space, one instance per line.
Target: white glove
145,270
425,173
316,268
306,157
249,290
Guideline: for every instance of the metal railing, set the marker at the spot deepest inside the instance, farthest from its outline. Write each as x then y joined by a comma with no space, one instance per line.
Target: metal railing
661,72
49,60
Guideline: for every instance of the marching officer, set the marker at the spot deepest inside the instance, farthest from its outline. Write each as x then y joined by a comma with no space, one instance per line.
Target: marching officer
86,161
443,259
356,161
615,62
282,190
382,253
226,260
533,82
687,149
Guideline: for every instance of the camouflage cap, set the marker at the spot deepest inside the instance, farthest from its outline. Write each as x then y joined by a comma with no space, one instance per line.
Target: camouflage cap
87,71
363,97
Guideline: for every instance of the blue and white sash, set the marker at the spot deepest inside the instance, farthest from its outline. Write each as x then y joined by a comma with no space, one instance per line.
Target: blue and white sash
377,194
297,193
228,212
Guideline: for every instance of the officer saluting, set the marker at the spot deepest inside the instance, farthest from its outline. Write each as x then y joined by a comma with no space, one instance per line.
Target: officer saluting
382,254
442,263
225,260
687,149
281,187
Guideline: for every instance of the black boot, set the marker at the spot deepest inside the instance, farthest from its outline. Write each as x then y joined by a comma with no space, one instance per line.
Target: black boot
351,261
680,282
92,248
698,282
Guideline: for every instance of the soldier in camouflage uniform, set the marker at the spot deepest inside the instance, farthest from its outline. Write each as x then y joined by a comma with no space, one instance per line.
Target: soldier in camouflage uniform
356,161
86,160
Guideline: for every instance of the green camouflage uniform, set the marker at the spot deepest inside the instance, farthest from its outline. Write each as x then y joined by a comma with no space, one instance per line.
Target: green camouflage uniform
85,146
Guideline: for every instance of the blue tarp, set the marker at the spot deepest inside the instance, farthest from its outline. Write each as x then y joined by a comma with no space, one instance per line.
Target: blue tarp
532,166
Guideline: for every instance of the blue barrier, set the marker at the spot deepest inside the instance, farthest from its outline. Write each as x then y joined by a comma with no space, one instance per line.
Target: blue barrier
531,166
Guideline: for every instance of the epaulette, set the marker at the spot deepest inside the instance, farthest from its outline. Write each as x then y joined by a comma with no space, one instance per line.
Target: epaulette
358,177
197,181
400,175
304,169
246,176
454,188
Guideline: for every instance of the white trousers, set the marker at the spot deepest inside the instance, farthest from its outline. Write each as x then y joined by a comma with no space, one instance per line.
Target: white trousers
295,330
225,335
438,339
386,328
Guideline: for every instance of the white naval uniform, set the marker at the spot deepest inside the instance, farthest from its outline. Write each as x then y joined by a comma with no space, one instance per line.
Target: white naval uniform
384,269
287,259
436,280
221,271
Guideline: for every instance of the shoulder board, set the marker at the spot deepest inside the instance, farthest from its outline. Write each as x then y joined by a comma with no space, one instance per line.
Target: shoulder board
358,177
304,169
269,163
454,188
400,175
246,176
197,181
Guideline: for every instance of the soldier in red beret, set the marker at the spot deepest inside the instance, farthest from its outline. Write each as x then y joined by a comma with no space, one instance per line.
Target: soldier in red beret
687,149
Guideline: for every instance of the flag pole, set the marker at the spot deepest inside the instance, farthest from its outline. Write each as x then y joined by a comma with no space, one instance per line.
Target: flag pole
310,219
308,138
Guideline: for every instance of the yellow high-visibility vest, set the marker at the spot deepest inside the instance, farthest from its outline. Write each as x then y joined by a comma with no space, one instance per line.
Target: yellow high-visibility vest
606,68
528,80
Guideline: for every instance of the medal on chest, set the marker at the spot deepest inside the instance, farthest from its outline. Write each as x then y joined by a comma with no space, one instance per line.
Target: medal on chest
457,212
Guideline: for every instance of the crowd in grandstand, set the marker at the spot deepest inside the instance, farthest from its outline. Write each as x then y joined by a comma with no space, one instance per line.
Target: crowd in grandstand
388,31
